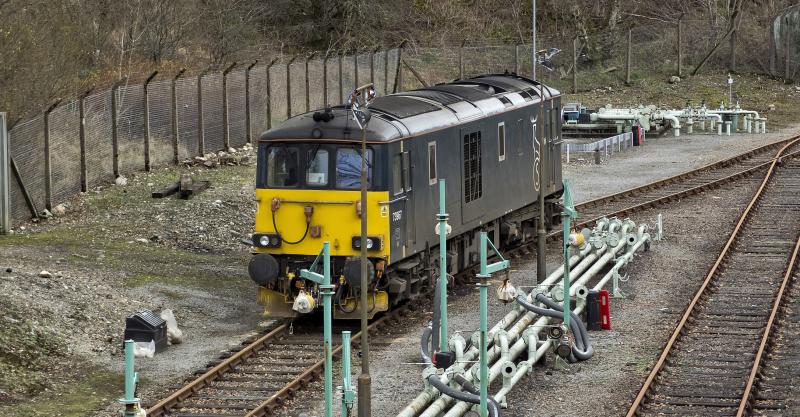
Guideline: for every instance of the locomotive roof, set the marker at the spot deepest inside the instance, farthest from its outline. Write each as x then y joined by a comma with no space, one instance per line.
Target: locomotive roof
411,113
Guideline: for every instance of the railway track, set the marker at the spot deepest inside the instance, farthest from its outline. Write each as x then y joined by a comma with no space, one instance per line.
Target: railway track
714,357
254,379
262,374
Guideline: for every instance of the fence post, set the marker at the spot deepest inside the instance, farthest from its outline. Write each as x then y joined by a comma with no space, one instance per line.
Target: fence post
226,131
461,61
386,72
325,80
341,81
355,70
308,86
82,138
114,137
289,87
680,46
175,139
269,94
248,125
398,79
516,59
628,61
146,103
48,172
201,134
5,194
787,71
575,65
372,66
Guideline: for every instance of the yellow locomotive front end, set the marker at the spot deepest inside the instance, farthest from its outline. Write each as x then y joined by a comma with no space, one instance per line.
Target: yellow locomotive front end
308,193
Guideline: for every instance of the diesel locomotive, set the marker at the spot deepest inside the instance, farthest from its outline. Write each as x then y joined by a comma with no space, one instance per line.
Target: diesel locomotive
479,134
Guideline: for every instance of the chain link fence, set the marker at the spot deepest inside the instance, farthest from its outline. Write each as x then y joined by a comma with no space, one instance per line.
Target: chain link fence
192,115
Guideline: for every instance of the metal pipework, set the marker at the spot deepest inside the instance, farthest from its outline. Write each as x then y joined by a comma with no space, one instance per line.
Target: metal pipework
586,255
518,346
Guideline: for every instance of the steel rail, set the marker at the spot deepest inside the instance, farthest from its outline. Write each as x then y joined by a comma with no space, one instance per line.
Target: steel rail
163,406
679,329
744,404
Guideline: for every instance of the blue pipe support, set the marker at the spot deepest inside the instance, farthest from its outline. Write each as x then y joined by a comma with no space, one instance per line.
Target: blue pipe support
442,217
326,290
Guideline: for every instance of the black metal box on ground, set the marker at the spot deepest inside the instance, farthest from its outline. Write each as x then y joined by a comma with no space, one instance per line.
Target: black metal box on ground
144,326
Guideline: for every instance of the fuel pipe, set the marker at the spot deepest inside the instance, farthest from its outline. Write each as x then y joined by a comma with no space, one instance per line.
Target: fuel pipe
582,350
470,393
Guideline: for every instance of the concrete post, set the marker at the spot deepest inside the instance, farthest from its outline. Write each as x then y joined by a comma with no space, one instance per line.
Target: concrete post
341,80
386,72
325,81
48,171
680,48
175,134
516,59
308,84
201,134
226,126
269,94
248,125
146,106
575,65
289,87
82,139
461,61
5,175
114,137
628,60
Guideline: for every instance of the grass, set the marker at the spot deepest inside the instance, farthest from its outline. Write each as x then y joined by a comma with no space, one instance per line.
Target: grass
89,390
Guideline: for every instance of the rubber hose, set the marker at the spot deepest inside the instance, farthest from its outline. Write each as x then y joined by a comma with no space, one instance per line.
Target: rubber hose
494,408
423,346
583,349
446,389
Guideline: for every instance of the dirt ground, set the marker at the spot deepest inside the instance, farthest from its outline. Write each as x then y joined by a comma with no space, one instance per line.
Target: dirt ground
117,250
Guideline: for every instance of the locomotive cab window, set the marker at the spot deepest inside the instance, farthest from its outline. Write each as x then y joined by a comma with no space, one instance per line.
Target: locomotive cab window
282,166
501,141
348,168
317,167
432,163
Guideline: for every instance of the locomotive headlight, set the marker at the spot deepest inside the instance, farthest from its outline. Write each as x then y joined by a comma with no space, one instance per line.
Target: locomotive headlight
373,242
267,240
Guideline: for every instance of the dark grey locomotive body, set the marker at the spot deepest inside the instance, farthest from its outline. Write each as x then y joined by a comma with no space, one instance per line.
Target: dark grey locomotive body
481,135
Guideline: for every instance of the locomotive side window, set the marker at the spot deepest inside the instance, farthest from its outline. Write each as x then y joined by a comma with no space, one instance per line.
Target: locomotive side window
432,163
317,169
473,182
501,141
397,174
348,168
282,166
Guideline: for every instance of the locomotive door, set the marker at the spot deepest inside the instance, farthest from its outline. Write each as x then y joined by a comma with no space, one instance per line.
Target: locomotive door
401,208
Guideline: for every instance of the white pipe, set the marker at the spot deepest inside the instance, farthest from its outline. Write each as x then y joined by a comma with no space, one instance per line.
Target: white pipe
519,345
586,252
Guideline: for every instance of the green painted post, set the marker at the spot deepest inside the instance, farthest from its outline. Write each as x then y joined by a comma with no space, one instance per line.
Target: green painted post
326,290
484,287
129,400
442,216
348,395
485,273
569,213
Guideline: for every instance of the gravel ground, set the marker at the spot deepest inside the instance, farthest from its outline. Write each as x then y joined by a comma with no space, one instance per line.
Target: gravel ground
642,321
659,158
